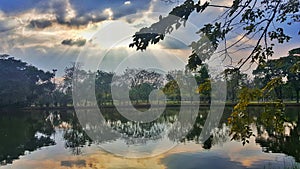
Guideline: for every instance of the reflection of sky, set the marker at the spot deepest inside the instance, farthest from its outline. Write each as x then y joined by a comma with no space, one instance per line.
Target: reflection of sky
34,29
231,155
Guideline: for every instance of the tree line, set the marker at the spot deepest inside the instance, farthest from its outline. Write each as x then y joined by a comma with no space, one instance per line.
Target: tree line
24,85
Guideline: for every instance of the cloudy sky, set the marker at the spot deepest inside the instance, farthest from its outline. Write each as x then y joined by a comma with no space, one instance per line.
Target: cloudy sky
54,33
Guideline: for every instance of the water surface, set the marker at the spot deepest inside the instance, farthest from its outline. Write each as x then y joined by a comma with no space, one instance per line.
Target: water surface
55,139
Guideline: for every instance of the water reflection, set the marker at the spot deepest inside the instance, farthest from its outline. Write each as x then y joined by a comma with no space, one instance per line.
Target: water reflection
21,133
75,137
24,132
278,143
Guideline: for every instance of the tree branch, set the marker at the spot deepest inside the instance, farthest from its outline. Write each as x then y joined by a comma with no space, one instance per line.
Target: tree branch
262,35
219,6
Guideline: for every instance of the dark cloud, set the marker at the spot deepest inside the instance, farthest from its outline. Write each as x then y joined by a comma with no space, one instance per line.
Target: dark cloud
118,6
72,42
92,11
60,10
82,20
40,23
86,11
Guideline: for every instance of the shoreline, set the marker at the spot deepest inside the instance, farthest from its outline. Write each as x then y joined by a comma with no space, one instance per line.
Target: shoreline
202,105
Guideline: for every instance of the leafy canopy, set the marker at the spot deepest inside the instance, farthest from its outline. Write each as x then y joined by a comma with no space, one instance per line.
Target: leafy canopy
264,21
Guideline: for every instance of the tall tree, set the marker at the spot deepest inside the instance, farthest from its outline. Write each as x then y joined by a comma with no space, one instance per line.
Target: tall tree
22,84
293,70
103,86
235,81
283,68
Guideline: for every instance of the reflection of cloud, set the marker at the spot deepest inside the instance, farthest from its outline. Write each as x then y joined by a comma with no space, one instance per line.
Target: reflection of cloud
188,155
100,159
97,160
247,155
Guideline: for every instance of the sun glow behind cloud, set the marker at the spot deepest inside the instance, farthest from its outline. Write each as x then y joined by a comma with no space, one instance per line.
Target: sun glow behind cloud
38,33
39,29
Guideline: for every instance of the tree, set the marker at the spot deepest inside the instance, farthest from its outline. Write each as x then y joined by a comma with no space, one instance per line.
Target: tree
103,86
235,80
172,90
135,81
141,92
269,71
81,75
293,70
262,21
283,67
23,84
203,80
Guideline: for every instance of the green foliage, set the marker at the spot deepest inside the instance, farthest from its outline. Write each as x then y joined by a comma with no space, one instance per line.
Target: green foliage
272,117
250,17
240,120
141,92
271,74
103,87
272,85
235,80
204,83
157,31
18,134
203,87
172,90
295,51
23,84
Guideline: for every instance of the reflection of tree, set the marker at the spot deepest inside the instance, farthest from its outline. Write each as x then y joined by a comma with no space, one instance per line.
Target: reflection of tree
23,131
271,123
14,142
129,131
75,137
287,144
177,131
217,136
168,124
194,134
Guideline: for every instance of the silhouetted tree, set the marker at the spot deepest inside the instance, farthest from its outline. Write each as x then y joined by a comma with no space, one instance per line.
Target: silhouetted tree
23,84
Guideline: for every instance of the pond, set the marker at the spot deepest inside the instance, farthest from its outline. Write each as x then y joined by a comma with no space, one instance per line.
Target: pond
55,139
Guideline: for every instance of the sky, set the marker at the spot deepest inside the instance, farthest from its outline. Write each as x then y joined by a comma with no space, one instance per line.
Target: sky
54,33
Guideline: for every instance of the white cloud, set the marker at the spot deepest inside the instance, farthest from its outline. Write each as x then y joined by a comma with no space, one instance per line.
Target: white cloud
127,3
41,45
109,13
